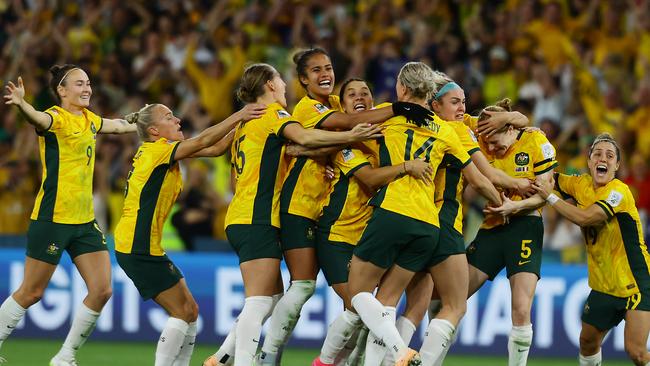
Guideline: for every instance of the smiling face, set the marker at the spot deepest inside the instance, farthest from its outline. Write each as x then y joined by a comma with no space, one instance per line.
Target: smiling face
603,163
167,125
499,143
356,97
319,79
451,106
75,90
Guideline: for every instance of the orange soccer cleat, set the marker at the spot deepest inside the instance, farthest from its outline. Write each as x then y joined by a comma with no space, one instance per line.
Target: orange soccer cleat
411,358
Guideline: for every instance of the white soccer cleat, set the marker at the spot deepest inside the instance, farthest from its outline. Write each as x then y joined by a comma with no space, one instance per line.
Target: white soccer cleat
57,361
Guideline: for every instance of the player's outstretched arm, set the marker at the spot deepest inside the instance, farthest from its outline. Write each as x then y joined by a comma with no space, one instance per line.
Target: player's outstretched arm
592,215
483,185
117,126
16,96
319,138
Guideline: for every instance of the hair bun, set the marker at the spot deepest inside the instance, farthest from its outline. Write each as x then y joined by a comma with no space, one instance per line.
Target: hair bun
505,103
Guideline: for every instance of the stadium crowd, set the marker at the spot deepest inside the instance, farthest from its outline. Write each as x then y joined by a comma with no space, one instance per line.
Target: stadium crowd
575,67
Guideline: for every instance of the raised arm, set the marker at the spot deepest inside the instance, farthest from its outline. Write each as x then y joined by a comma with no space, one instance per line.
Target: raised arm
16,96
117,126
590,216
217,149
483,185
318,138
211,135
497,120
345,121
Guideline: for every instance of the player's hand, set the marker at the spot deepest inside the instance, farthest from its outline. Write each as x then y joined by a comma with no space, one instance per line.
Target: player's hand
494,122
419,169
252,111
15,92
414,113
366,131
544,187
507,208
525,188
329,172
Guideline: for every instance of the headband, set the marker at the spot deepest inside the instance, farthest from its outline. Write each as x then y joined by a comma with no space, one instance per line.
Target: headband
445,89
66,75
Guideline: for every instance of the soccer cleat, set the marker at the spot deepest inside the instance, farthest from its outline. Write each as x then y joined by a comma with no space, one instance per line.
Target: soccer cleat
411,358
318,362
57,361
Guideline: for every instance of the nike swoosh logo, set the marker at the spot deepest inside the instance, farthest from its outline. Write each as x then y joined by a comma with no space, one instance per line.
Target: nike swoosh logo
521,263
521,350
10,326
255,340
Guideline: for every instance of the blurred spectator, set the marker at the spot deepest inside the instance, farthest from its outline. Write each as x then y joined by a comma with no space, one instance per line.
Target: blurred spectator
18,187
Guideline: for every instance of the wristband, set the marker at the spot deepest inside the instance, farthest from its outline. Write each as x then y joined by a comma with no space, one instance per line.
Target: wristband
552,199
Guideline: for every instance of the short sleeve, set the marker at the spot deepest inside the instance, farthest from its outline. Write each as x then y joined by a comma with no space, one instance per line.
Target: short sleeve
165,151
454,145
543,154
283,120
56,120
613,199
96,121
468,139
565,185
311,113
350,160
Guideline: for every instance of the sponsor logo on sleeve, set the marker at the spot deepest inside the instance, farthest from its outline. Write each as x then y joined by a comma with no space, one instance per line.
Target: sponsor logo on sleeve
347,154
321,108
283,114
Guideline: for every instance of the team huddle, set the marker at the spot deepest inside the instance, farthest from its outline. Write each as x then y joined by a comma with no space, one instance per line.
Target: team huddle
371,195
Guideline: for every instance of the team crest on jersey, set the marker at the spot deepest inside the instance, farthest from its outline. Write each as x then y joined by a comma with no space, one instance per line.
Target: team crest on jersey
310,233
522,159
283,114
347,154
321,108
52,249
614,199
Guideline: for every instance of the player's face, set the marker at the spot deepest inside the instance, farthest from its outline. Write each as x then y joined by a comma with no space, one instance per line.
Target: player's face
357,97
279,89
603,163
320,76
167,125
499,143
77,90
451,107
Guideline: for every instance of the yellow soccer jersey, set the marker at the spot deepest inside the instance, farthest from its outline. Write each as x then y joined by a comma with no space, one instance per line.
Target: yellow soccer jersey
260,168
346,211
405,141
67,150
617,256
529,156
449,179
305,188
152,186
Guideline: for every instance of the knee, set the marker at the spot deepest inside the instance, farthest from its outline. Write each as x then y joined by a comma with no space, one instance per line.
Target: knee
638,355
304,288
588,345
101,294
190,311
520,315
27,297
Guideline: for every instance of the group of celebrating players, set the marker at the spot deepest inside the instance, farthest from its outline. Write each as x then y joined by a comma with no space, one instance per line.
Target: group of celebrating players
370,195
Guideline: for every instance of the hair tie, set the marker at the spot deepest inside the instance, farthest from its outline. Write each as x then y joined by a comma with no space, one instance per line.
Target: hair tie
66,75
445,89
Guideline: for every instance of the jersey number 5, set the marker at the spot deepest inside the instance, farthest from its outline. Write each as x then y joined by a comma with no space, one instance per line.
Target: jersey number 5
240,158
425,149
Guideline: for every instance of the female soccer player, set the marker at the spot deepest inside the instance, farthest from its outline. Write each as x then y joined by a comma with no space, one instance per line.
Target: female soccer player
618,259
403,234
346,213
515,244
63,218
448,103
253,218
305,190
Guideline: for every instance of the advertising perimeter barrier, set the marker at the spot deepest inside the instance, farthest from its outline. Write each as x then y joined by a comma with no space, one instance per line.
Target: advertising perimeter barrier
216,284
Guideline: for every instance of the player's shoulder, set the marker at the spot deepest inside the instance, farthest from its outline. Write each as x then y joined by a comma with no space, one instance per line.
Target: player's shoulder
308,107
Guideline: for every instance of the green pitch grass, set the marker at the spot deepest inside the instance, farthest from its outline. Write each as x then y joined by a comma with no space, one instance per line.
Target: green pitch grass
22,352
